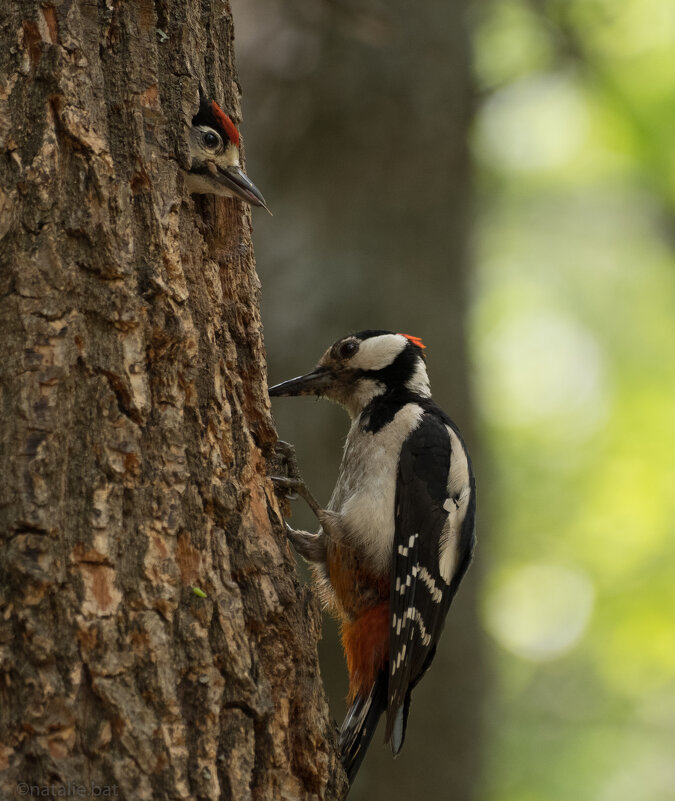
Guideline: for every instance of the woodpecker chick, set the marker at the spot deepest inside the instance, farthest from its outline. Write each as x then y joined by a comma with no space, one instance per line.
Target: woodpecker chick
398,533
214,147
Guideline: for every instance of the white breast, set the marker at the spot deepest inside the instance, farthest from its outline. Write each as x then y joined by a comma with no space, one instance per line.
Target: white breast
366,487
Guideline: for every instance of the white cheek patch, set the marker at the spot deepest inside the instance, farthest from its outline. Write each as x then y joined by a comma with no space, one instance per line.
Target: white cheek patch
378,352
227,157
230,157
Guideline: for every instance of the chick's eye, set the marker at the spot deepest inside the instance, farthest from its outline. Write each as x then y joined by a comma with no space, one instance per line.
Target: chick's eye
348,349
210,139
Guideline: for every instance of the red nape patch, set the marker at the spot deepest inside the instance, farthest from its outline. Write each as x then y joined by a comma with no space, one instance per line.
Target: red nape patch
415,340
226,123
366,644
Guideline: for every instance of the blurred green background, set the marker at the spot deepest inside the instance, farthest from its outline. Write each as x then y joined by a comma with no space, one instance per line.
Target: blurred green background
499,179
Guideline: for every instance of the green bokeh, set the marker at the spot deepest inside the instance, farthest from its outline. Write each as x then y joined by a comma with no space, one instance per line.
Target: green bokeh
573,332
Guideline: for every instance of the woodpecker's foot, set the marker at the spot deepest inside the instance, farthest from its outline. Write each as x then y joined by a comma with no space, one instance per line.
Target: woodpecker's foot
312,547
284,461
292,487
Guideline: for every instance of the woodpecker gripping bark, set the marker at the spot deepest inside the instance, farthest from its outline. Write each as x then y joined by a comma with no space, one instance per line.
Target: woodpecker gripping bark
398,533
214,148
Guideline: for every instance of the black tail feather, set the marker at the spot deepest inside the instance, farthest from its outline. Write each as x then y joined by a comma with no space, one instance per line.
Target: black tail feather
359,726
400,725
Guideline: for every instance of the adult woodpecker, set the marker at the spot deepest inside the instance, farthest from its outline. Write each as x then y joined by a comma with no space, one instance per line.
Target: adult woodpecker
214,147
398,533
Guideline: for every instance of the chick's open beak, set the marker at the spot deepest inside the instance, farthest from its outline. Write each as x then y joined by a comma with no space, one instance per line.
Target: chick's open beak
315,383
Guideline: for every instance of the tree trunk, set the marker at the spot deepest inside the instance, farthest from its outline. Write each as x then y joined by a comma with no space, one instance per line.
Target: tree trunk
135,433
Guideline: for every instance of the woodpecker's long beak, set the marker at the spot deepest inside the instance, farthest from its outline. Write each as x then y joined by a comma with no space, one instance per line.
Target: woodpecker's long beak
315,383
241,185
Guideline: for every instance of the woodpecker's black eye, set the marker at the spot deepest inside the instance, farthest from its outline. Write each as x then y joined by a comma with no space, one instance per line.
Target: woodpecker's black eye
210,139
348,349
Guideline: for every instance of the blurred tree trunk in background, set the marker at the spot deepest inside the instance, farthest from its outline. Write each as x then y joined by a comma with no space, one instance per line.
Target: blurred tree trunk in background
134,433
358,117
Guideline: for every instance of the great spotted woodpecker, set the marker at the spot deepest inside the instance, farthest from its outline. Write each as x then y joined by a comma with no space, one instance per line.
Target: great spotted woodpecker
214,147
398,533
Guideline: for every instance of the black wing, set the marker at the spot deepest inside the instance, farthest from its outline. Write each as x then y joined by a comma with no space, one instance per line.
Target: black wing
434,511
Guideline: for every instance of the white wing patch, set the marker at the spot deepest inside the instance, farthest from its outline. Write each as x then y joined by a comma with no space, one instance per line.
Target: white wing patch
459,491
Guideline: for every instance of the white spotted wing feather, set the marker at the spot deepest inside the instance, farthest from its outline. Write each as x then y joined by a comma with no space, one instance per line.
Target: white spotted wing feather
433,542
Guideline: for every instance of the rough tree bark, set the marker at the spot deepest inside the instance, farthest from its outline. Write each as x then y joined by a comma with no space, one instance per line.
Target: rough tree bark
134,433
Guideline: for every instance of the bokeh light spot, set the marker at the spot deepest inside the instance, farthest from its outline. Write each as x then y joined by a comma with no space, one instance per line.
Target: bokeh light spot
535,123
540,611
543,365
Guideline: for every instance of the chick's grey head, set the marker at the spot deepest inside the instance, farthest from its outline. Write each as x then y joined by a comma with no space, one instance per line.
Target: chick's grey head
363,367
214,148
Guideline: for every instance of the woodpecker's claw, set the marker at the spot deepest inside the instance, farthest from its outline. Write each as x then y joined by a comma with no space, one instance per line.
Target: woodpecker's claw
312,547
284,461
281,487
292,486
